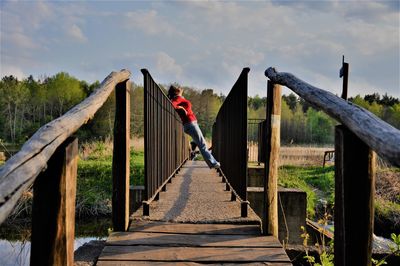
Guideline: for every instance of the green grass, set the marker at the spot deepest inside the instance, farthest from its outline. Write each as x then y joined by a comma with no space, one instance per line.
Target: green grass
94,184
317,182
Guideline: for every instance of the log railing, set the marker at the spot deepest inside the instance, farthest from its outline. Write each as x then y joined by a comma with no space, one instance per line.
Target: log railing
48,161
229,140
166,145
356,141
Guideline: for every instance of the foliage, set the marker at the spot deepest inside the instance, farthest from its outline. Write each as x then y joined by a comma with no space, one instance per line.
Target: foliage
28,104
317,182
301,123
205,105
395,250
325,253
94,186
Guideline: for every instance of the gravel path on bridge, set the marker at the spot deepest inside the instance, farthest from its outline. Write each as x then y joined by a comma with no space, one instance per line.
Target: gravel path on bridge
196,195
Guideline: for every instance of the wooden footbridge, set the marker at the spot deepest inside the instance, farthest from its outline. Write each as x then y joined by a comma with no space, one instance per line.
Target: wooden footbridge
186,227
193,215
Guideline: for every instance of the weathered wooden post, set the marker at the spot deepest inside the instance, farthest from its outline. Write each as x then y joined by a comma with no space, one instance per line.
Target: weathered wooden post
354,199
53,210
121,156
273,122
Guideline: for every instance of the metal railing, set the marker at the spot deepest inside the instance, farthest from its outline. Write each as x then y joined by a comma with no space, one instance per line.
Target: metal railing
230,139
166,145
253,139
262,136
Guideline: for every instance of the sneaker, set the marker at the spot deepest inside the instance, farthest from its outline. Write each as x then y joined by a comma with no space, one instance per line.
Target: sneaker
216,166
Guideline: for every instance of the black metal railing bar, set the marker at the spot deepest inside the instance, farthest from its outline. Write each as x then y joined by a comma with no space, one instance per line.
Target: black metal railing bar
230,136
166,145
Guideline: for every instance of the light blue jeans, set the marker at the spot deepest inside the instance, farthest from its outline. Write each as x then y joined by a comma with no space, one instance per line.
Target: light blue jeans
193,130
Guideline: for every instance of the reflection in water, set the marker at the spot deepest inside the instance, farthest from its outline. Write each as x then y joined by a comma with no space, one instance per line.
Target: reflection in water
15,245
14,252
17,253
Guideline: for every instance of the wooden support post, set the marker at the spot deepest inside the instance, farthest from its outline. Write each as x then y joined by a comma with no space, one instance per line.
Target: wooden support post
233,196
273,125
157,196
243,208
164,188
121,155
354,199
146,208
53,210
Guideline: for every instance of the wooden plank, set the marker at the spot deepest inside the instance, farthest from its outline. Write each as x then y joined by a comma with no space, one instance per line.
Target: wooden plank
194,254
142,238
121,157
377,134
212,229
273,124
20,171
183,263
53,211
354,199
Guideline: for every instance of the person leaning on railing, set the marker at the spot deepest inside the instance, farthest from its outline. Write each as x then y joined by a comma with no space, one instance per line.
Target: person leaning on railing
190,126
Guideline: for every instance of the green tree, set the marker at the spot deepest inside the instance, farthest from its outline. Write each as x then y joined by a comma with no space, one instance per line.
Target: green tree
13,102
320,126
291,101
64,92
137,118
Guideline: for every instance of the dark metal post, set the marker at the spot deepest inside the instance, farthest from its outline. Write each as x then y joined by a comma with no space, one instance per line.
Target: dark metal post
344,73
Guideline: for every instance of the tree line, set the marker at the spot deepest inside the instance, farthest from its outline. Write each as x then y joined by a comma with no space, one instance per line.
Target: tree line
28,104
303,124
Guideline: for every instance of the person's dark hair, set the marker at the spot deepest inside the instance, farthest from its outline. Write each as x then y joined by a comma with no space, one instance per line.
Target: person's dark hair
173,91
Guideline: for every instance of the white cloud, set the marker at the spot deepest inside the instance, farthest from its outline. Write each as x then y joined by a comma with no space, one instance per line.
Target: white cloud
6,70
165,64
76,33
21,40
207,43
245,55
151,23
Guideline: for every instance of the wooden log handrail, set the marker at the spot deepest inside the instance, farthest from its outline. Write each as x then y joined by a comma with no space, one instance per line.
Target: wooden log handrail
377,134
20,171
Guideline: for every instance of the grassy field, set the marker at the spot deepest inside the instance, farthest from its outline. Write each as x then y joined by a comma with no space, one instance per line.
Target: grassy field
302,168
94,186
316,181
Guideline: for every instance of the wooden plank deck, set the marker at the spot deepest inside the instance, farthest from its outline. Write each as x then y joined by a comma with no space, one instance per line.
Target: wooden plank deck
186,228
158,243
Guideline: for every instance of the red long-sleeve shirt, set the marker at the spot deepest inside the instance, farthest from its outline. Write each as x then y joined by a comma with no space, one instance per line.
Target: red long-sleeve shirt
187,105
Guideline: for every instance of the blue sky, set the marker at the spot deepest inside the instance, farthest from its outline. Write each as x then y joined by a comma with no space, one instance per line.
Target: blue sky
206,44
